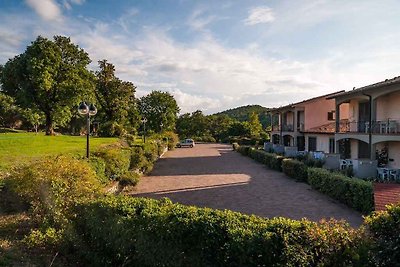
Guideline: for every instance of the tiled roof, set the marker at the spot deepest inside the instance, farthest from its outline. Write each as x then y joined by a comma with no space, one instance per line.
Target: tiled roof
331,95
386,82
329,127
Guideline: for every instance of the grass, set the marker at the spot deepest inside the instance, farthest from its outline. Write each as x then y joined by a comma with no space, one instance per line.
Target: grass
20,147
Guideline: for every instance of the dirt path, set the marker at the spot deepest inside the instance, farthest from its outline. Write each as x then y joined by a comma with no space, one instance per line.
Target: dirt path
212,175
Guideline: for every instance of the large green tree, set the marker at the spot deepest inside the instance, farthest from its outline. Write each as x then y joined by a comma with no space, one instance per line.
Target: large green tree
159,108
254,125
9,111
50,76
116,99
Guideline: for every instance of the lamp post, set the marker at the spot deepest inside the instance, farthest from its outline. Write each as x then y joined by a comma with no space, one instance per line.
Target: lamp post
144,120
161,125
87,110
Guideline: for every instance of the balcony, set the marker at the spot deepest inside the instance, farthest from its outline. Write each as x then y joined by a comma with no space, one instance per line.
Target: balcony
390,127
285,128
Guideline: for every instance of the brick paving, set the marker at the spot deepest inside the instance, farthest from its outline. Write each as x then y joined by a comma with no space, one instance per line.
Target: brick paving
212,175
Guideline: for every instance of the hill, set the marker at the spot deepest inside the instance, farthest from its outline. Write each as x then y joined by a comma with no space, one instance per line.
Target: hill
243,113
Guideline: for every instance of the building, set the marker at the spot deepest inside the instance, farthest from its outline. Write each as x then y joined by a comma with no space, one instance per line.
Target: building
308,125
372,131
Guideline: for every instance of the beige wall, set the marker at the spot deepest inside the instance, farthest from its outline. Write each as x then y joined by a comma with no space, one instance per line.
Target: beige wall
388,107
354,148
393,153
322,141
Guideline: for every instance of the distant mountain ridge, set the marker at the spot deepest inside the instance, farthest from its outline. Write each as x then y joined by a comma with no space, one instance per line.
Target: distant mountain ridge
243,113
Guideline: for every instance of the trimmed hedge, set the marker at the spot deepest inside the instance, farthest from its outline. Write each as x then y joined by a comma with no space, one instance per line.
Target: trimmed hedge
384,228
295,169
145,232
273,161
355,193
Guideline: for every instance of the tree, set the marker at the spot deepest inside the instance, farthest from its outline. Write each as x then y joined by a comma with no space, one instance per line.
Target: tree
254,125
116,99
159,108
9,111
34,117
52,77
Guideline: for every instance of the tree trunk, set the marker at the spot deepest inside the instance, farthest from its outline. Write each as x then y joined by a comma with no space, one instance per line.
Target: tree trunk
49,124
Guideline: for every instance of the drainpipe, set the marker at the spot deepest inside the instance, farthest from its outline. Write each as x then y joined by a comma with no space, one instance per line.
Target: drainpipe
370,126
280,128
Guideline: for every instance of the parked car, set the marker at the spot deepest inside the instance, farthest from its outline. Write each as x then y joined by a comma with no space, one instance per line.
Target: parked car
186,143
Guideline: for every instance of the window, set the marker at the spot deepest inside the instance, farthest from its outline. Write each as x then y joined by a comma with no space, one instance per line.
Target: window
331,145
312,143
331,115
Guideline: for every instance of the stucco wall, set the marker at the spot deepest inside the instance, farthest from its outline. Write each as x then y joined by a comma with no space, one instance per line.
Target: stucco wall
354,148
388,107
316,112
394,153
322,141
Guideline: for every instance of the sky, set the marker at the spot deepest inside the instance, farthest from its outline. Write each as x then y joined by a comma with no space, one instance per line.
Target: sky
215,55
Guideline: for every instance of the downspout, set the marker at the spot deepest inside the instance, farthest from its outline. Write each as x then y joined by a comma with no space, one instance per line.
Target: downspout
370,126
281,128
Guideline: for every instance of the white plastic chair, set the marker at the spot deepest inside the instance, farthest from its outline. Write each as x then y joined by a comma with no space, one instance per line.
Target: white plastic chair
393,174
383,173
349,162
392,127
343,164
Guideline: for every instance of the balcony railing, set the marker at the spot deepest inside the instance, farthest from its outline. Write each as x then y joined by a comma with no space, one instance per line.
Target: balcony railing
390,126
285,128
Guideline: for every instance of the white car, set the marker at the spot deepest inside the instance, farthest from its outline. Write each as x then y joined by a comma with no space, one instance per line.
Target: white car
186,143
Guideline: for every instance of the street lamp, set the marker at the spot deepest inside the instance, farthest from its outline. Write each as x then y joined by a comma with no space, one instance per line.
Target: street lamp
161,125
87,110
144,120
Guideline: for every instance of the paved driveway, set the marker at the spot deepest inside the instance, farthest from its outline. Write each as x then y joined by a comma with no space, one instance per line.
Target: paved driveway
212,175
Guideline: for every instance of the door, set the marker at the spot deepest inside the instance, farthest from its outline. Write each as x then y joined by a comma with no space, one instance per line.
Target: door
301,143
363,116
363,150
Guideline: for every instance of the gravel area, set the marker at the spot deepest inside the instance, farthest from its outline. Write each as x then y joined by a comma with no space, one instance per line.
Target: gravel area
212,175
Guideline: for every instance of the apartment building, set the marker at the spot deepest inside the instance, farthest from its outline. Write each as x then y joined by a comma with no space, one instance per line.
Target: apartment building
372,131
308,125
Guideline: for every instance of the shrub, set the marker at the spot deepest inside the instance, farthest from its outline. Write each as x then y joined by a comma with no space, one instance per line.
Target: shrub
355,193
99,166
295,169
171,138
139,161
129,178
117,160
148,232
52,186
384,228
111,128
244,150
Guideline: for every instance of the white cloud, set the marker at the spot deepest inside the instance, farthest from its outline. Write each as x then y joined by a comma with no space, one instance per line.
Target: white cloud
46,9
261,14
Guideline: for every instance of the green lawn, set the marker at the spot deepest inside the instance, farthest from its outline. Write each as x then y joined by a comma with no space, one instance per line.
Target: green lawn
23,147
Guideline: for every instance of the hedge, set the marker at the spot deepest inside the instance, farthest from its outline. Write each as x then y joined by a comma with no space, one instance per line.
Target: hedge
355,193
384,229
145,232
273,161
295,169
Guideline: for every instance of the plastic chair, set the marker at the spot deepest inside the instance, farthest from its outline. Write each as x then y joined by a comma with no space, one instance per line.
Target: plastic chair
392,127
393,174
343,164
349,162
383,173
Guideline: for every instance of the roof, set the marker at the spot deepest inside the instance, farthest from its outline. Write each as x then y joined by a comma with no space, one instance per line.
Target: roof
308,100
329,127
387,82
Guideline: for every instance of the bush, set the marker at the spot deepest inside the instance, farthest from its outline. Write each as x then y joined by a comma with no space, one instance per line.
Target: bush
295,169
117,160
355,193
52,187
171,138
139,161
244,150
110,128
99,166
384,228
148,232
129,178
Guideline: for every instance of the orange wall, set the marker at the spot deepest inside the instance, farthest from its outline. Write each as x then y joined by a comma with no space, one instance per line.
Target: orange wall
316,112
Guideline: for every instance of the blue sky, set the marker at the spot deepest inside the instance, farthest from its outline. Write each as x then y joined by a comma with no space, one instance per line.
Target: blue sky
215,55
